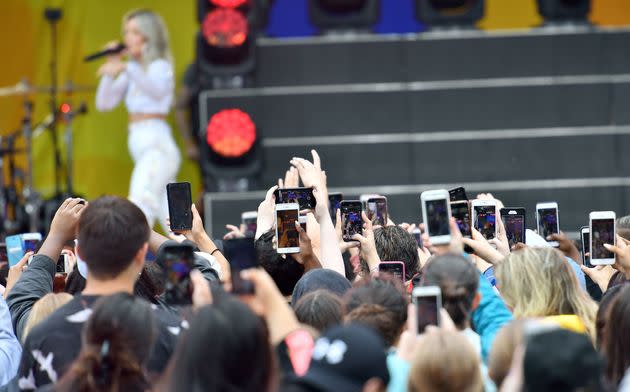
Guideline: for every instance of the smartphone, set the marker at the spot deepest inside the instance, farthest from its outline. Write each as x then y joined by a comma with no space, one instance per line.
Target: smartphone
484,216
4,261
458,194
178,262
351,220
365,197
334,202
436,211
286,233
417,235
302,196
18,245
460,210
62,264
179,206
377,210
547,220
302,220
585,235
428,302
241,254
602,226
396,268
514,222
249,219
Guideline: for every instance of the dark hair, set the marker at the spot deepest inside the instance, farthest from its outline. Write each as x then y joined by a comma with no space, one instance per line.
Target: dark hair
380,303
320,309
111,232
458,280
215,354
602,312
117,341
393,243
616,345
285,272
146,286
75,282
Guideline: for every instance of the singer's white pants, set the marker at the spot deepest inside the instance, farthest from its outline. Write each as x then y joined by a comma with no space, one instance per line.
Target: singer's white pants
157,160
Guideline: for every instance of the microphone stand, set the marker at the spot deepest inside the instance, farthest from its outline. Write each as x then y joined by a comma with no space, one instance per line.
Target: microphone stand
68,117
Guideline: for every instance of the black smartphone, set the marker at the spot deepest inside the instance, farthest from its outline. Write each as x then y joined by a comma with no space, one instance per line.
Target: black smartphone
351,221
458,194
303,196
178,261
62,262
241,254
334,203
179,206
377,210
514,222
585,234
460,210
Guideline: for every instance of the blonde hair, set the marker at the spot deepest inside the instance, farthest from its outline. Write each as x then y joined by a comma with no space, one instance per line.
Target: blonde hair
43,308
152,27
445,362
539,282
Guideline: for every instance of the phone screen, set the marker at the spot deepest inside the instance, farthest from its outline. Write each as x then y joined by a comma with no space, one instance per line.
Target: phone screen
4,261
461,213
288,236
351,221
334,203
303,196
396,269
179,206
377,211
458,194
547,222
241,254
31,245
427,311
486,221
178,262
250,227
586,248
417,235
61,264
514,228
602,232
437,216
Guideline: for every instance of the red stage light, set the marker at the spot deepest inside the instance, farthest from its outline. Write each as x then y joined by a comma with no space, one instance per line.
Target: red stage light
65,108
229,3
231,133
225,28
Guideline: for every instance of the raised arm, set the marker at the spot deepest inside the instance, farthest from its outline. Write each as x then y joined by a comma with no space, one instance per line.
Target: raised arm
111,91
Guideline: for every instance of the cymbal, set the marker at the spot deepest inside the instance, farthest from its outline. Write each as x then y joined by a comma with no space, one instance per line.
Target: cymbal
24,88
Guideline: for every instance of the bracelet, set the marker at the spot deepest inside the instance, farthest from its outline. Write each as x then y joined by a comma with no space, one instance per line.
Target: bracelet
216,250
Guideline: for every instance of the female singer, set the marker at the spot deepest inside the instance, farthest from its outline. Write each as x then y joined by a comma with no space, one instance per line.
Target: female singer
146,82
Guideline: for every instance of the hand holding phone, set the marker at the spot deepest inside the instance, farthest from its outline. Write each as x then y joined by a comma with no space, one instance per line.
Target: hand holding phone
428,302
178,261
351,219
585,236
436,212
302,196
241,254
548,221
514,222
286,233
484,213
334,203
179,206
396,268
377,211
602,225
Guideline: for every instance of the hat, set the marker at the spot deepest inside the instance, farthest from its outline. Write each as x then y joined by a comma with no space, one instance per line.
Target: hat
345,357
320,278
560,360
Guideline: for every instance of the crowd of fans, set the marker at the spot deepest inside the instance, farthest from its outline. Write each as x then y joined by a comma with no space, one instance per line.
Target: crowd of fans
323,319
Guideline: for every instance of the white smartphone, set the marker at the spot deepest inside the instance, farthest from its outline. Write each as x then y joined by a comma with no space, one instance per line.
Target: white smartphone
428,302
436,211
31,242
365,197
602,226
548,220
302,220
286,234
249,219
484,217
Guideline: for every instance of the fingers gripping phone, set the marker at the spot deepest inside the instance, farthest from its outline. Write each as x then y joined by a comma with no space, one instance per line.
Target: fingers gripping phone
548,221
179,206
286,233
514,222
484,214
334,203
302,196
436,211
377,210
178,262
428,302
351,220
585,236
602,227
241,254
460,210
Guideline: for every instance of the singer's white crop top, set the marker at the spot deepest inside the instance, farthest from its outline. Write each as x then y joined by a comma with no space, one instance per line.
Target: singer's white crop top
145,91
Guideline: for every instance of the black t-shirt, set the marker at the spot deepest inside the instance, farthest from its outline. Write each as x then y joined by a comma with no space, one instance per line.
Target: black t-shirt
54,344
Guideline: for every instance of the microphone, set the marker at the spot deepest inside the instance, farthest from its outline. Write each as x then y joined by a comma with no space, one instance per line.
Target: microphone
116,49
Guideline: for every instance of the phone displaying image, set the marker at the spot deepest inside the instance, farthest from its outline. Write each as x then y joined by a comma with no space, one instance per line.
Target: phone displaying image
178,261
484,214
377,210
287,235
334,203
18,245
179,206
62,264
417,235
351,221
302,196
249,219
548,221
602,227
428,302
514,222
585,236
241,254
436,211
396,268
365,197
458,194
460,210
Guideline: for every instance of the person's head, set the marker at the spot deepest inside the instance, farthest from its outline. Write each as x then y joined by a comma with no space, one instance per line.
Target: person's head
43,308
539,282
147,286
113,239
75,282
445,361
146,36
283,268
379,303
320,309
506,341
458,280
117,342
602,312
393,243
320,278
616,344
237,355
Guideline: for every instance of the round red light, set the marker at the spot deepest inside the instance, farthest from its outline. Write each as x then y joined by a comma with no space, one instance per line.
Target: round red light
228,3
225,28
65,108
231,133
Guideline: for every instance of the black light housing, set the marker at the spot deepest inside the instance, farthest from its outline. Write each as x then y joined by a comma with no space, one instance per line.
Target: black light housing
564,10
446,13
344,14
